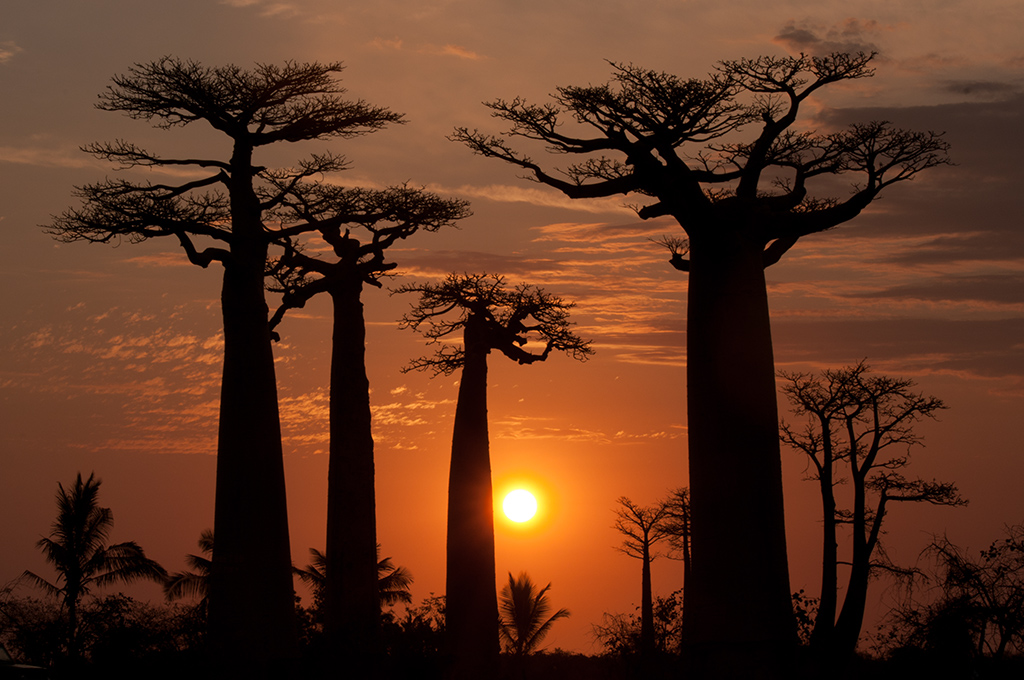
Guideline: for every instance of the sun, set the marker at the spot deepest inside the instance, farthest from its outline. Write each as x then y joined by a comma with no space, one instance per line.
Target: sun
519,505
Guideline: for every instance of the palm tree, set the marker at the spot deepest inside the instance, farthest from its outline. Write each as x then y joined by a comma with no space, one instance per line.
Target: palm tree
523,609
77,549
392,582
195,583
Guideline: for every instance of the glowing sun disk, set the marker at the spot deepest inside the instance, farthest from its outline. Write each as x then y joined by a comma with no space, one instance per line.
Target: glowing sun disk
519,505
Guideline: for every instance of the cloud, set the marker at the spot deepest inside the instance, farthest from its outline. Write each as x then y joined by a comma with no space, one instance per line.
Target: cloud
976,348
47,158
1007,289
7,51
452,51
550,198
851,35
387,44
981,89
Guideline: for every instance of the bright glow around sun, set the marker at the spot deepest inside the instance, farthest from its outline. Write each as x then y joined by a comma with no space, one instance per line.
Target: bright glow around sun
519,505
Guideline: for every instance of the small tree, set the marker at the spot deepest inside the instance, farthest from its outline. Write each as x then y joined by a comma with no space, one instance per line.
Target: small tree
642,528
77,548
974,605
194,583
865,425
679,529
392,584
490,317
524,615
723,157
229,210
619,634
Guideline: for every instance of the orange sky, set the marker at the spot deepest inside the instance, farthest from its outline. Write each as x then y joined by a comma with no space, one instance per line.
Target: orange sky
109,357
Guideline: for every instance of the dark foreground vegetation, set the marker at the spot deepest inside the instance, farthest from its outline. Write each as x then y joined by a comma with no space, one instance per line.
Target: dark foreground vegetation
121,637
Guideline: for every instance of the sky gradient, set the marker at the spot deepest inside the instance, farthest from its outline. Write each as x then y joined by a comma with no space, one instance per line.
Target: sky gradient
110,356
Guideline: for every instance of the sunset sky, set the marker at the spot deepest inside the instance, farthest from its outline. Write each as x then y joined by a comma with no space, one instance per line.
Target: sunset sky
110,356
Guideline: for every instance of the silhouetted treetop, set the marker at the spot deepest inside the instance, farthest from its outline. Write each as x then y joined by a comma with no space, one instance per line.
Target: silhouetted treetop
383,216
268,104
501,318
654,134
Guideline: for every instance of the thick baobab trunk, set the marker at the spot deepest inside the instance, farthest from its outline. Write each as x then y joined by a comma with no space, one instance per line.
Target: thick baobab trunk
471,615
352,616
739,582
252,611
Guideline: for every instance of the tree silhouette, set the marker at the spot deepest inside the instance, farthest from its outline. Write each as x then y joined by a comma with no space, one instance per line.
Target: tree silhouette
524,615
642,528
677,526
195,583
490,317
391,587
742,204
230,211
350,604
864,424
980,602
77,548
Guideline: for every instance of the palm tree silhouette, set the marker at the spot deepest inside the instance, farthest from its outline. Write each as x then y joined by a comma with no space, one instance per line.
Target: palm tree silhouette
523,610
77,548
392,582
195,583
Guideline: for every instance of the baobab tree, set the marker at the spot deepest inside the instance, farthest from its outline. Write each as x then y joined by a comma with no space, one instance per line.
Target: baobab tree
677,526
228,211
380,218
859,431
678,146
490,317
642,528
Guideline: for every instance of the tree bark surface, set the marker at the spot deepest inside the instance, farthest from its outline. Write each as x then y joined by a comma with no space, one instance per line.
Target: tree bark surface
471,616
739,586
352,616
252,610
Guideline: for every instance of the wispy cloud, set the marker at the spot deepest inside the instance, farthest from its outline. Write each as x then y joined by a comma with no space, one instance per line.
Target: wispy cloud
851,35
452,51
504,193
8,50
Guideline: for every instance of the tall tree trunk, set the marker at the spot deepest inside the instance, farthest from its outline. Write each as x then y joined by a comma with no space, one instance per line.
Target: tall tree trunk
851,616
687,596
825,621
739,589
646,606
251,601
352,607
252,610
471,615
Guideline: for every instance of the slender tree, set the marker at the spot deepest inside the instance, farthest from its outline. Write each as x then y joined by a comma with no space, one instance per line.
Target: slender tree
642,527
864,425
677,526
381,218
229,211
490,317
742,204
77,548
524,615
